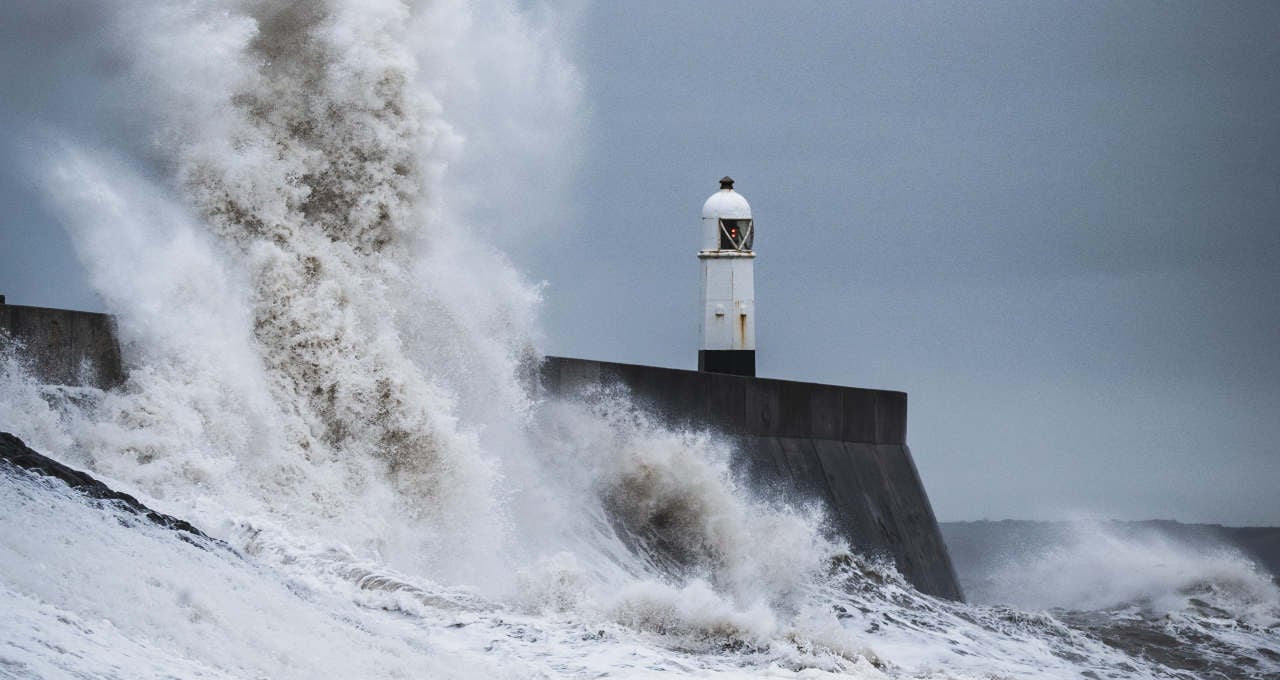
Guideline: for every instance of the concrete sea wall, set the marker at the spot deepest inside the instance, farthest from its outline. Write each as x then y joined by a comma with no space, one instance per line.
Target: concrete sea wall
842,446
64,347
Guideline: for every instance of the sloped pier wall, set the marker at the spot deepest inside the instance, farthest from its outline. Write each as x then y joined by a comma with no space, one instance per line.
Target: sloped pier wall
843,446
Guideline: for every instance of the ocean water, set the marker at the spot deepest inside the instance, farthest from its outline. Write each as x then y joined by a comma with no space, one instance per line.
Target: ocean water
329,373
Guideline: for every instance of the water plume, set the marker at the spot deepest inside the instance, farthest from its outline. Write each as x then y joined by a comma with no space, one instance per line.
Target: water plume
307,324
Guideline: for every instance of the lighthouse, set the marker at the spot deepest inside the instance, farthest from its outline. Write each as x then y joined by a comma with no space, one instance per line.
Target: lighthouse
728,325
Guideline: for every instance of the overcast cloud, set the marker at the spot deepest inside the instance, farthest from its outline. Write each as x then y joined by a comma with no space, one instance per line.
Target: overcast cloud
1057,226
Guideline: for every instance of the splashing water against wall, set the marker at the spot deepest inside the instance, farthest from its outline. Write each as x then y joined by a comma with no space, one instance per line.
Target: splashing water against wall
318,340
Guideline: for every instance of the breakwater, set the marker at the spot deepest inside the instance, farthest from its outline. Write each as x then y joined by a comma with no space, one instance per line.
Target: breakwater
843,447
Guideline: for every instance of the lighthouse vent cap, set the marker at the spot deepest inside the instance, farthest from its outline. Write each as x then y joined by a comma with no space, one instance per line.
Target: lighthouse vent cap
726,204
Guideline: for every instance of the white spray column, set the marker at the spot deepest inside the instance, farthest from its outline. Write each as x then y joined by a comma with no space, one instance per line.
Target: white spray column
728,288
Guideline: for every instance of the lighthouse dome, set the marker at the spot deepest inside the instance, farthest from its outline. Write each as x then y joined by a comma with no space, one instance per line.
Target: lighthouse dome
727,226
726,203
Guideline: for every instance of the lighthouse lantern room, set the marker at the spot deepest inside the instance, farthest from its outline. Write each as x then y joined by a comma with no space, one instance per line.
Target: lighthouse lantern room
728,292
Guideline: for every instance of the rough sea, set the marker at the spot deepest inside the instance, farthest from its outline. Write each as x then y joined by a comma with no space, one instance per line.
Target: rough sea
327,373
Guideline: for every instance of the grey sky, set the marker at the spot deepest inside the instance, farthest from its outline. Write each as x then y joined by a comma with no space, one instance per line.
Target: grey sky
1056,225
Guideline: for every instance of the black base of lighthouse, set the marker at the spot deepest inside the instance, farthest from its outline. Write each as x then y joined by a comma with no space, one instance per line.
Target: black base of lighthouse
731,361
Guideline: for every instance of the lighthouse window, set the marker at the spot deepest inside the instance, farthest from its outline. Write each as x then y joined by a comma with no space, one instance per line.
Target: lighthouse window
736,234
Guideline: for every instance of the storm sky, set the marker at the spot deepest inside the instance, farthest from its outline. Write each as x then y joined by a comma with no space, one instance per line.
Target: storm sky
1055,225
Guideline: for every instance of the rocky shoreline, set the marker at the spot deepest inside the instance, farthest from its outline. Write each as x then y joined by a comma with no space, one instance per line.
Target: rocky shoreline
14,452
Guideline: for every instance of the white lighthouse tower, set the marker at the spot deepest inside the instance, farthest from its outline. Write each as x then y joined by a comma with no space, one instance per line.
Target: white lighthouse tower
728,290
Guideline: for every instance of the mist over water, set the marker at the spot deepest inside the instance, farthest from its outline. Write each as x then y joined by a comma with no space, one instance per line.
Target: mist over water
331,370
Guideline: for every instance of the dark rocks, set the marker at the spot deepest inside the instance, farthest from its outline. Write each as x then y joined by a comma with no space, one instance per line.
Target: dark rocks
14,452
